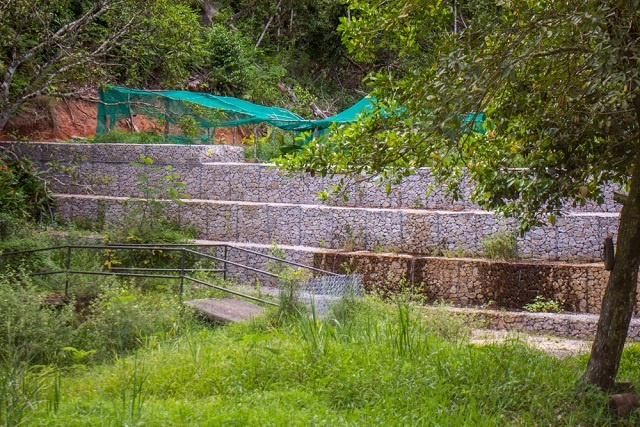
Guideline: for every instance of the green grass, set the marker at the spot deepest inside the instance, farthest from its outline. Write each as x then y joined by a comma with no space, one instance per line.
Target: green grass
123,137
369,364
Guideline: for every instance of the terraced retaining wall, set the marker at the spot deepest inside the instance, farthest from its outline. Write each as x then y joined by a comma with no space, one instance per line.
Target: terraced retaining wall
476,282
217,172
243,202
582,326
574,237
465,282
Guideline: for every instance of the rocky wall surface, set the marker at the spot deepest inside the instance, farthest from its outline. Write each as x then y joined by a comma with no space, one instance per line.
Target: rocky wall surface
258,203
575,237
475,282
216,172
86,156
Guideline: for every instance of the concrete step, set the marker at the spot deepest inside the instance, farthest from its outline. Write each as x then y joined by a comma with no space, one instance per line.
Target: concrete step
573,325
227,310
575,237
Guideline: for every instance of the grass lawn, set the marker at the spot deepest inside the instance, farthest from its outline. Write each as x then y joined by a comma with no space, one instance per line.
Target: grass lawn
368,364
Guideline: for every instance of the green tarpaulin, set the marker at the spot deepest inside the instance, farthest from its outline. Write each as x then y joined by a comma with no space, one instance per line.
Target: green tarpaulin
117,103
210,111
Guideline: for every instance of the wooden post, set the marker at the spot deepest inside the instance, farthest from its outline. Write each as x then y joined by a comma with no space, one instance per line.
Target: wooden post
255,142
133,125
209,136
166,120
235,132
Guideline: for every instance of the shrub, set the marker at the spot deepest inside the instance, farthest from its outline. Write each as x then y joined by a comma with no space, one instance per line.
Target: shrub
118,136
501,245
122,318
146,222
23,194
31,331
117,320
541,304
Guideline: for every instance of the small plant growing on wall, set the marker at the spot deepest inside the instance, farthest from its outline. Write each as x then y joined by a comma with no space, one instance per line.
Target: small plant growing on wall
290,280
541,304
168,187
502,245
147,221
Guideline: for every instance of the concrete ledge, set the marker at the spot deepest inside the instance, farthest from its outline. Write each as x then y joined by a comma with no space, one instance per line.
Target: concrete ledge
89,154
581,326
577,237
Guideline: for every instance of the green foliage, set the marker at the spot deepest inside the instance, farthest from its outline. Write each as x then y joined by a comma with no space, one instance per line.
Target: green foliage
146,221
165,49
541,304
289,281
541,73
30,332
118,136
22,387
110,322
120,319
502,245
268,147
26,238
46,45
23,193
230,62
375,365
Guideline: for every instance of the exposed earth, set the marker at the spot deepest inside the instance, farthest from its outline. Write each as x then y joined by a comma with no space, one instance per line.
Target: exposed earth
48,119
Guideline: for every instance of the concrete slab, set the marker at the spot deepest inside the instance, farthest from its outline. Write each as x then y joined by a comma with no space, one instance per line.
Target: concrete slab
225,310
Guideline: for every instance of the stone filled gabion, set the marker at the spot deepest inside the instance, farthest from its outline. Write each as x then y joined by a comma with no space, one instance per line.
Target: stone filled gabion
259,204
323,292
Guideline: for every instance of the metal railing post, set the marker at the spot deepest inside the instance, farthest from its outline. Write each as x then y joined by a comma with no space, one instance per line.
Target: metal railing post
68,267
181,273
224,268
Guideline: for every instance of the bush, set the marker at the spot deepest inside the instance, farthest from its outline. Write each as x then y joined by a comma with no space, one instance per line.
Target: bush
166,51
122,318
31,331
117,320
503,245
146,222
230,61
23,194
541,304
118,136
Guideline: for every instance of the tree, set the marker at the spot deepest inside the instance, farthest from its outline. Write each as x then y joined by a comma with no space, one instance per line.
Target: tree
559,83
50,47
43,43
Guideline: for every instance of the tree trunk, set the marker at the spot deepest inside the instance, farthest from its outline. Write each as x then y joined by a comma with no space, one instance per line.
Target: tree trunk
620,295
4,118
208,11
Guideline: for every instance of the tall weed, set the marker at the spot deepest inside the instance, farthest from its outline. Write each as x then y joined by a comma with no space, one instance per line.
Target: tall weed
23,388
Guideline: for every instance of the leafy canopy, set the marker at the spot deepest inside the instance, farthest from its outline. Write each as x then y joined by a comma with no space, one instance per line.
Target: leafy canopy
559,83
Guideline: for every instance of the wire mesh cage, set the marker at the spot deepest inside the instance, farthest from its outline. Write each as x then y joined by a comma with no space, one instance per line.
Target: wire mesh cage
324,291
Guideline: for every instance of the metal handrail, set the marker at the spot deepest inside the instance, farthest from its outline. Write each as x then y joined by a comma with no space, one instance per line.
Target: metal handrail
117,271
225,245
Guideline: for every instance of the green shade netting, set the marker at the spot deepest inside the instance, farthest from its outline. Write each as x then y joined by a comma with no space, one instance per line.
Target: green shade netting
211,111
